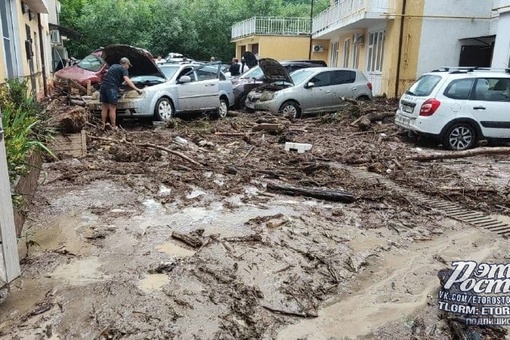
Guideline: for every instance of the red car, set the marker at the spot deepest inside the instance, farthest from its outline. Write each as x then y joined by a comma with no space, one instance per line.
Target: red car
93,67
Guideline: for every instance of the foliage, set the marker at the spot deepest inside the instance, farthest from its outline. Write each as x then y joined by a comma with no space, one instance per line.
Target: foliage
197,28
22,121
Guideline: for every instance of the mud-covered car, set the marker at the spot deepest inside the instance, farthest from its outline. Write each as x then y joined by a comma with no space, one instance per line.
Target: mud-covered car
308,90
169,89
92,68
255,77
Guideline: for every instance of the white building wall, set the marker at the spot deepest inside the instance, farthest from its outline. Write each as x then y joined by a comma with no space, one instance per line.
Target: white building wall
501,56
439,44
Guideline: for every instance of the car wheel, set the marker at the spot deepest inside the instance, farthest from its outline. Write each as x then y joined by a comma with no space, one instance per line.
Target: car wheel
460,136
242,101
223,109
164,109
291,108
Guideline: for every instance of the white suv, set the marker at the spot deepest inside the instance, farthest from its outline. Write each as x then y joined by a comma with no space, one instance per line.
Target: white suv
458,106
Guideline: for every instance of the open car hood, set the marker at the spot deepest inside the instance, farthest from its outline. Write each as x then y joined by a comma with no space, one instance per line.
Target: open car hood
274,71
142,60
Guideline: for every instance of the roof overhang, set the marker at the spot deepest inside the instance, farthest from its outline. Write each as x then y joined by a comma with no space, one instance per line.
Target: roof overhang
37,6
70,33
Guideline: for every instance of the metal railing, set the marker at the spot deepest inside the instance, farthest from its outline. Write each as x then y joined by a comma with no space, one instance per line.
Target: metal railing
271,26
349,11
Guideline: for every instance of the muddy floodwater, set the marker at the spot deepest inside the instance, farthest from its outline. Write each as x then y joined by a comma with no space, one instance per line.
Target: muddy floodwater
132,242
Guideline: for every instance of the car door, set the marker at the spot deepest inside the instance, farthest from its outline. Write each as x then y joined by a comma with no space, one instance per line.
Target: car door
490,106
319,96
343,85
202,92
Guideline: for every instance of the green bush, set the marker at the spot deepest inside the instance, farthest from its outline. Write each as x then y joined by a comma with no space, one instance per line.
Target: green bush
23,121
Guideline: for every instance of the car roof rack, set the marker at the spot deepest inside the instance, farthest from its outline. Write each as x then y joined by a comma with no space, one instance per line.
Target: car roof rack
464,69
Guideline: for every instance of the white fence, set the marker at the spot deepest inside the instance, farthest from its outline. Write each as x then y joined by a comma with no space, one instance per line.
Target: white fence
271,26
349,11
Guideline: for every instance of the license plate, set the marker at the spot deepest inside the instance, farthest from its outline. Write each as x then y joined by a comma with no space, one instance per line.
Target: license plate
407,108
403,120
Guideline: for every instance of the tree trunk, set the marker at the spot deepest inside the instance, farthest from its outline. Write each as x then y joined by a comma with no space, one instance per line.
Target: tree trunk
325,194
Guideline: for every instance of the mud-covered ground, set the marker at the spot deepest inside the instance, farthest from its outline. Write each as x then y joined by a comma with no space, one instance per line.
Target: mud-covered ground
177,231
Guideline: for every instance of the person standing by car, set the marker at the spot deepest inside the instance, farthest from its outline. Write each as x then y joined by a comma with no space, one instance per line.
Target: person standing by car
243,67
234,68
109,91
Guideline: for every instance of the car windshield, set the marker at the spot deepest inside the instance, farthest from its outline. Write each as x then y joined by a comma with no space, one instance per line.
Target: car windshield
300,76
169,70
91,63
424,85
253,73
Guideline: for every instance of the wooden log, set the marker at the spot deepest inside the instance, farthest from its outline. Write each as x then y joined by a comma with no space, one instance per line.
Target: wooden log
325,194
70,121
192,241
461,154
268,127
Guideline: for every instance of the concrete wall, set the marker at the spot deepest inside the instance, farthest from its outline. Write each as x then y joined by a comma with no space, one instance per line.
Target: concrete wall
501,56
439,43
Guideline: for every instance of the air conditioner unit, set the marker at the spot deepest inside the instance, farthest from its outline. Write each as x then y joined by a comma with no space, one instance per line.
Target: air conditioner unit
55,36
358,38
318,48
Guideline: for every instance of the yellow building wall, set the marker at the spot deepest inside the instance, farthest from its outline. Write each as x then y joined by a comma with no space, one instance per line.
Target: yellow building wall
281,47
409,48
23,20
2,66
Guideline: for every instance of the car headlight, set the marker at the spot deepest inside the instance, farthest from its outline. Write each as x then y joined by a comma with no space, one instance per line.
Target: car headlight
266,96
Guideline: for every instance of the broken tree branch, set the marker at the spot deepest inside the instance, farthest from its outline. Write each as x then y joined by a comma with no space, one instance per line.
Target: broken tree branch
326,194
147,145
191,241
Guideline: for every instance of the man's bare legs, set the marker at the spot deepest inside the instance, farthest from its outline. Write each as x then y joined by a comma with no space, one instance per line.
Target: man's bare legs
113,116
109,110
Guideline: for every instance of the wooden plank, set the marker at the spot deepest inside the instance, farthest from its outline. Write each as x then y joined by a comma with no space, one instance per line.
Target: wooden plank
9,265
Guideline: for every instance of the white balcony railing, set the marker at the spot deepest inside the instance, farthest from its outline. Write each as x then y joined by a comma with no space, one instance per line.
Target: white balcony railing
271,26
346,12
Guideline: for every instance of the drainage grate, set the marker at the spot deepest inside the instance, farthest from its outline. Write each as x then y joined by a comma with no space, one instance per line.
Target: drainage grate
450,209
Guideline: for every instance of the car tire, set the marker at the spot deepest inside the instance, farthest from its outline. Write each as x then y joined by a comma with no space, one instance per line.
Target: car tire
164,109
460,136
223,109
291,108
241,104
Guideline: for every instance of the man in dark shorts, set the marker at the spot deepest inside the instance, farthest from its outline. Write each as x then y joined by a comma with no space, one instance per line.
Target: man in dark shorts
109,92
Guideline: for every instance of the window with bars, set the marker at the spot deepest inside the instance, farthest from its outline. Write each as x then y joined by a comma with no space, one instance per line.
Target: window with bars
375,51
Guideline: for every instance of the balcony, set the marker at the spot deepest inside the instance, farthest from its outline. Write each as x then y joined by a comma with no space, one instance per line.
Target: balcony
351,14
271,26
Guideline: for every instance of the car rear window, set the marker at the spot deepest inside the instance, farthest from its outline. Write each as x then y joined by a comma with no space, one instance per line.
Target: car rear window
343,77
424,85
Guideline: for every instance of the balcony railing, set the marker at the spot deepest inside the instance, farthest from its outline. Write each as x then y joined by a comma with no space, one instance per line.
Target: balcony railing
346,12
271,26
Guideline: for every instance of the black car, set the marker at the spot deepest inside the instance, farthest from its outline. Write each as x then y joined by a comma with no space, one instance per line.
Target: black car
255,78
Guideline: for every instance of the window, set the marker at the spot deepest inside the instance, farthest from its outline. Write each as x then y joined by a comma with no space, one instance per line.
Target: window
8,38
492,89
375,51
424,85
343,77
459,89
334,54
347,52
355,55
322,79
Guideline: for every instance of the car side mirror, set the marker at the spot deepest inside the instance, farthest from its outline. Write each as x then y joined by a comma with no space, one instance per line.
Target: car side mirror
184,79
309,85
